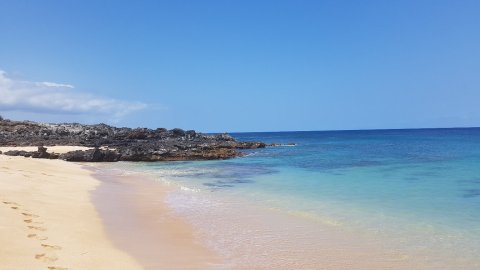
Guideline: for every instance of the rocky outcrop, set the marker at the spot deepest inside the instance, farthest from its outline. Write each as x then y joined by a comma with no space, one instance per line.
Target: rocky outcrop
281,144
40,153
120,144
18,153
92,155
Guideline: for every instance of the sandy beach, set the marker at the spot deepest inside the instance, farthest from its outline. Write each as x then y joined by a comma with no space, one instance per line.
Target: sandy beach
134,213
240,135
50,222
62,215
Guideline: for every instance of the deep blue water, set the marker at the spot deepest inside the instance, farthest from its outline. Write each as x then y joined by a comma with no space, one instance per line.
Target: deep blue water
421,187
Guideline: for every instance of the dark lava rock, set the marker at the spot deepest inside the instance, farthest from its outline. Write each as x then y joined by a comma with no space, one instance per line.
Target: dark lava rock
190,134
178,132
139,144
18,153
92,155
224,137
281,144
41,153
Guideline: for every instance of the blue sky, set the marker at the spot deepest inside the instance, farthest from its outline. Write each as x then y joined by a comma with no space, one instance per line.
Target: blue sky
242,65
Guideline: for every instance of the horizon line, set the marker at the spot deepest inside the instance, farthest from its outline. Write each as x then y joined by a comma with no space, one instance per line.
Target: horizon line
366,129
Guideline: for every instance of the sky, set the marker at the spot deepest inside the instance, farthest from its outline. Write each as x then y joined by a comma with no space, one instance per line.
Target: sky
234,66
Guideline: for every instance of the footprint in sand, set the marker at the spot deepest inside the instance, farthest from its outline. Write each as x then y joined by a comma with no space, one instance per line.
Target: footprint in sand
38,228
12,203
45,258
29,215
29,221
15,205
51,247
36,236
56,268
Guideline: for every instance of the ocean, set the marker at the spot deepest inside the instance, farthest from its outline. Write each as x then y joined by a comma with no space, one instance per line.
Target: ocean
413,194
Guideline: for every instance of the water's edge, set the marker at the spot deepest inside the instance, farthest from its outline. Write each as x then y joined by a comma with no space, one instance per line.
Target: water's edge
137,220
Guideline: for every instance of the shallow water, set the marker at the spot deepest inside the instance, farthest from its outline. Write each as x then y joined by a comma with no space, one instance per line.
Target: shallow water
415,193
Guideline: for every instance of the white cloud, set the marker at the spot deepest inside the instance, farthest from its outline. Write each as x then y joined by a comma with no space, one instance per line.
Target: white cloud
57,98
52,84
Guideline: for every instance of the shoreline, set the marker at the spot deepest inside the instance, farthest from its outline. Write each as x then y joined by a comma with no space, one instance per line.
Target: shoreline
251,236
48,221
138,221
59,215
100,219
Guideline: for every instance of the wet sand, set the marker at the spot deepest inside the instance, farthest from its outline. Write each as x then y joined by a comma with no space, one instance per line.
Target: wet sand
222,234
56,215
138,221
47,220
249,236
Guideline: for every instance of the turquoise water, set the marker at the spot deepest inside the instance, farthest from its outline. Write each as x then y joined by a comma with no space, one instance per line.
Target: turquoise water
418,188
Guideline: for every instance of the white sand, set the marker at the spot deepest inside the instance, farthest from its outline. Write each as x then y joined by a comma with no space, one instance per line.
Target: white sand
47,220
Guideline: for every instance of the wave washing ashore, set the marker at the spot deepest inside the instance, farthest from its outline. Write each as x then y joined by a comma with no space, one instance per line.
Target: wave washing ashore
386,199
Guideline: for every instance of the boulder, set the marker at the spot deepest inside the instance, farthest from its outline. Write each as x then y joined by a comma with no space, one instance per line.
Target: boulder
41,153
92,155
281,144
190,134
224,137
178,132
18,153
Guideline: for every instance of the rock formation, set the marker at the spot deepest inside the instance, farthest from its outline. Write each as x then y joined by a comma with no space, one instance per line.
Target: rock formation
119,144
